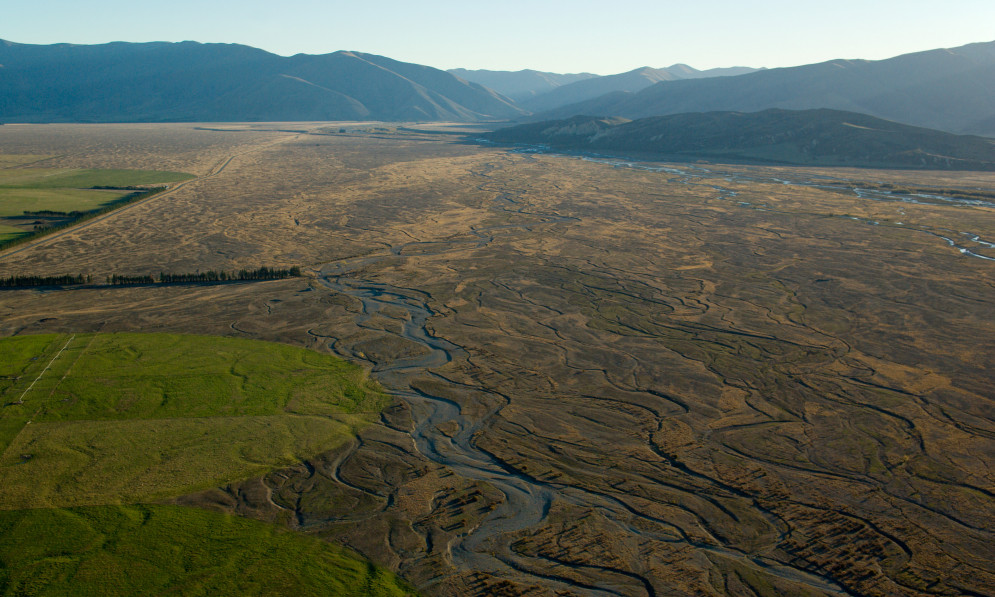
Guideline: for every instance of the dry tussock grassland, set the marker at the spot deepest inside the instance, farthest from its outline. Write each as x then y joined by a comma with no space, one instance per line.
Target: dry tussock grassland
729,384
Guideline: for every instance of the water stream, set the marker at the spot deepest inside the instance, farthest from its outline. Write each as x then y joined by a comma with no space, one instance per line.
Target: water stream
965,242
527,500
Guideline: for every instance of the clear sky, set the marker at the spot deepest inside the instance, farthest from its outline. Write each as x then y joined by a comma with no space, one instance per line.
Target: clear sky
601,36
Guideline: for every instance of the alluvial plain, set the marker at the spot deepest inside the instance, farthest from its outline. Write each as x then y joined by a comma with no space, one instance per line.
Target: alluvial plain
610,377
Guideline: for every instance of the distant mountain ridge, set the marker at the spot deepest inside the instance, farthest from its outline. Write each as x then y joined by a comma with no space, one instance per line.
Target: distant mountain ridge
519,85
631,81
190,81
947,89
819,137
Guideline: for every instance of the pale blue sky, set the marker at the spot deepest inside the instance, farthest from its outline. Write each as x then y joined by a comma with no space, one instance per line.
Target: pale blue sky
603,37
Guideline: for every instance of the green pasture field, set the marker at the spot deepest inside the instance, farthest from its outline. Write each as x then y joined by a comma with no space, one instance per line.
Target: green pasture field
10,232
8,160
96,419
63,189
26,177
168,550
15,202
69,178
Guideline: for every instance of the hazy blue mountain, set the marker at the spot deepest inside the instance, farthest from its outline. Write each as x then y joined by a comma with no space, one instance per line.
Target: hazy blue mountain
948,89
687,72
807,137
519,85
189,81
634,80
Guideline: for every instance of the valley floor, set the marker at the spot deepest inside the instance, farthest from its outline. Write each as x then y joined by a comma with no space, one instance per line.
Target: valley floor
609,378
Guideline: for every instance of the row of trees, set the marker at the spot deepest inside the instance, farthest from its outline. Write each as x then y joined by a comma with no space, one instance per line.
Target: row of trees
116,280
54,214
23,281
262,273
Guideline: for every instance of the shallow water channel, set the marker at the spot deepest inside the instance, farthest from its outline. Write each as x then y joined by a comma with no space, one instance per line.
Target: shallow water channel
527,500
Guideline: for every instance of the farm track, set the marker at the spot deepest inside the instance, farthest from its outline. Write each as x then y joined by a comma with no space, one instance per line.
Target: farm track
43,371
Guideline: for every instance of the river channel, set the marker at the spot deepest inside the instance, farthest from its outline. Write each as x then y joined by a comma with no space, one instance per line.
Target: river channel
527,500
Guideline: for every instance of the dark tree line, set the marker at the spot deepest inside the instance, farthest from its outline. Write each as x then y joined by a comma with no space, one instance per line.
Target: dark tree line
53,213
126,188
21,281
116,280
262,273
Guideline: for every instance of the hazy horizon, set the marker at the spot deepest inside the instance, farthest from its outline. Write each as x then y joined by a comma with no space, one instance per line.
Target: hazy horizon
562,37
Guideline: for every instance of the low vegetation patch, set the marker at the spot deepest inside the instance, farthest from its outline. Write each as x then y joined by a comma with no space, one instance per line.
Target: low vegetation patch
160,550
116,418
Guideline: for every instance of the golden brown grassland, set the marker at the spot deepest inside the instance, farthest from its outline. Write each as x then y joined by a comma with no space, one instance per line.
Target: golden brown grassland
730,379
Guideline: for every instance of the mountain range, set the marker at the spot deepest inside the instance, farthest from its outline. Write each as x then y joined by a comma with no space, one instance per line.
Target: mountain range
189,81
537,91
520,85
630,82
947,89
819,137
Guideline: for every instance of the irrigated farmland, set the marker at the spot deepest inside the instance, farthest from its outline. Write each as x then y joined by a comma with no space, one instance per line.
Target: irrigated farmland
143,550
607,378
37,200
112,418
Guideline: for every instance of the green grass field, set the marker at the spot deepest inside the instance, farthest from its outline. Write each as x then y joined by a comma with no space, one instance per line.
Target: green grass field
11,232
14,202
105,421
8,160
117,418
165,550
69,178
12,177
62,189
